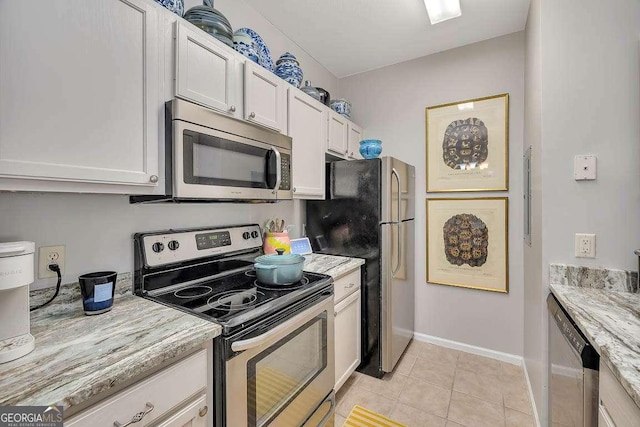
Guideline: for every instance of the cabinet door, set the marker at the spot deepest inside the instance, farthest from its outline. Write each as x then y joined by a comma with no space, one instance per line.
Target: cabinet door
205,72
79,87
308,129
265,97
194,414
355,136
347,338
338,135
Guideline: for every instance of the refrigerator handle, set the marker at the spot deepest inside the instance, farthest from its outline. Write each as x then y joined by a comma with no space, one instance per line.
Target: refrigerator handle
397,267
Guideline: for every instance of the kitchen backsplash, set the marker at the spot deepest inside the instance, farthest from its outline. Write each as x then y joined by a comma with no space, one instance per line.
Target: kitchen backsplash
598,278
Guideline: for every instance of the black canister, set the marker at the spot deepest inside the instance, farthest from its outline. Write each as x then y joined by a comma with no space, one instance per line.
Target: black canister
97,291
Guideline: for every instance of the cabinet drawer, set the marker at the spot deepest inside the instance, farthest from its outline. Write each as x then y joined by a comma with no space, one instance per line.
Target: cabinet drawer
346,285
163,390
616,406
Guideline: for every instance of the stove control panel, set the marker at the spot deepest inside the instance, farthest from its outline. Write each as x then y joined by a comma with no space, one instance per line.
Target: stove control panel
185,245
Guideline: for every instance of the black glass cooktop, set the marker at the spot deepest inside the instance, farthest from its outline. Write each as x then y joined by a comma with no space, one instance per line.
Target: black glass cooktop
239,297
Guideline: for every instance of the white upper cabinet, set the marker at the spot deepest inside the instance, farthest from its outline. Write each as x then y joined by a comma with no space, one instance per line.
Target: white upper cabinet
308,130
265,97
337,143
79,83
355,136
206,72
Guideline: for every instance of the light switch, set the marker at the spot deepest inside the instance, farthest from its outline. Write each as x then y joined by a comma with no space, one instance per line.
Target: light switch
584,168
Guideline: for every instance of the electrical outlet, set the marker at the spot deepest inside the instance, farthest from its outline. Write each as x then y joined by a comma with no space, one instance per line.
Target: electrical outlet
50,255
585,245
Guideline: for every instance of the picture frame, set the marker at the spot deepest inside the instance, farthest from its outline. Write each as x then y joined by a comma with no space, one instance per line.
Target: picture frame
468,243
467,145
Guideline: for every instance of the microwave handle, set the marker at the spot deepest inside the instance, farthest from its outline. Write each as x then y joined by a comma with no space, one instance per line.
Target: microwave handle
278,169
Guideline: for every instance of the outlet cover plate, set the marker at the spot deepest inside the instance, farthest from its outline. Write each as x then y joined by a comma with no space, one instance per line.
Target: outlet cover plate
48,255
585,245
584,168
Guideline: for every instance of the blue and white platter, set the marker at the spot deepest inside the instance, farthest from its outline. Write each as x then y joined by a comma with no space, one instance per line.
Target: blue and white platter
258,47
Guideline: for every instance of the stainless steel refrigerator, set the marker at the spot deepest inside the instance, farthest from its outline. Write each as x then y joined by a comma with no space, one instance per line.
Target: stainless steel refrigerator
369,213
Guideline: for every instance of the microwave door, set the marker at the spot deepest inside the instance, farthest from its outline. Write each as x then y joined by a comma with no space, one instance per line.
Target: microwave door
209,164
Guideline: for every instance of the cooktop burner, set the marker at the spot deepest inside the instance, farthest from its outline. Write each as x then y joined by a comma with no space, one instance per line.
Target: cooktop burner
290,286
193,291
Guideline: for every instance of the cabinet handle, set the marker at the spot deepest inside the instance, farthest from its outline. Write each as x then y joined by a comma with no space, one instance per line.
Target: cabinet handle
294,189
252,115
346,152
137,417
350,285
203,411
232,108
153,178
352,154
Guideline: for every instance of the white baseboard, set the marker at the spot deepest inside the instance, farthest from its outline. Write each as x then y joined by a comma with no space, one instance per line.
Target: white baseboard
467,348
481,351
531,399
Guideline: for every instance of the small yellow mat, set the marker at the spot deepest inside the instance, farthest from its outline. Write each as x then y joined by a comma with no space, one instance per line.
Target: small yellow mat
361,417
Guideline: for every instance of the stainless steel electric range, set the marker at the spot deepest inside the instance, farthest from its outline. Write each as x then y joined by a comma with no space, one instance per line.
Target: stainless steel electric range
273,363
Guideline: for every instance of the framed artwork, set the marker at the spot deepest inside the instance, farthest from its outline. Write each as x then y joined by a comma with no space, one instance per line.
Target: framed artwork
468,145
467,243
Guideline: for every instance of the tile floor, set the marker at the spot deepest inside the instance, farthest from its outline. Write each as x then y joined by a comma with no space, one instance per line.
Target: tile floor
434,386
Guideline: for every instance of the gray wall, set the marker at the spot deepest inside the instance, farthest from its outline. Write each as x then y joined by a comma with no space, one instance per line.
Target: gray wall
390,103
534,309
582,98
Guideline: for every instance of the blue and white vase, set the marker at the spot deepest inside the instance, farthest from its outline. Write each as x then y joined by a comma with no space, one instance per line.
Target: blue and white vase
370,148
175,6
288,68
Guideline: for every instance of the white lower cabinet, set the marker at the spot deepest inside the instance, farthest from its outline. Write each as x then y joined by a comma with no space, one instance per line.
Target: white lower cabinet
616,408
177,396
307,124
192,415
347,326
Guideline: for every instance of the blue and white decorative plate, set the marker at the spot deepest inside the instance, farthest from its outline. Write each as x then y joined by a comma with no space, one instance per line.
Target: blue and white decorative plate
175,6
264,55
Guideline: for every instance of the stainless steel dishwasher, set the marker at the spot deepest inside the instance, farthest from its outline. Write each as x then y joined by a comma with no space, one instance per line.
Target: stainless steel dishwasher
574,365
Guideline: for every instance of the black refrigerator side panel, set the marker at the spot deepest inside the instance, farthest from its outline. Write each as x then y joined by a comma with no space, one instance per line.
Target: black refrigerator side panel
348,224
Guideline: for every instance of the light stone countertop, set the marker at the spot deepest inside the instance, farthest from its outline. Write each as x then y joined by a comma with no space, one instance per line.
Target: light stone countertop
78,357
611,322
334,266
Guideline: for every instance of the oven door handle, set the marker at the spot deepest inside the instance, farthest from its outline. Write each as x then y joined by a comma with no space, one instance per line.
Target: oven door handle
278,169
284,329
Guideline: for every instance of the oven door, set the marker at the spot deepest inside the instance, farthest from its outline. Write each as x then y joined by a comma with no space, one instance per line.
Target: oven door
285,375
210,164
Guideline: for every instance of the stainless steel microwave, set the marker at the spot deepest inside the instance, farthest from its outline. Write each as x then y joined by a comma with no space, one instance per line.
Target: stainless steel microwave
212,157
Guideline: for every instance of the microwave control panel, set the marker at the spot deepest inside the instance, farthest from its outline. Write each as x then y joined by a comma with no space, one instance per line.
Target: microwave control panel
285,163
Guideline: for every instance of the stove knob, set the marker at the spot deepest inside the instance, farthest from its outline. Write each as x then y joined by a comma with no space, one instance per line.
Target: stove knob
254,234
157,247
246,235
173,245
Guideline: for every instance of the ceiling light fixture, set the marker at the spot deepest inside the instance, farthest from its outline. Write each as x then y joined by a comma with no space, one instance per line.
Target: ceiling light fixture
442,10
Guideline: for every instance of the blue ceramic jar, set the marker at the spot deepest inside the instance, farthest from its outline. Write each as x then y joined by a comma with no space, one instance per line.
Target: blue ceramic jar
288,68
370,148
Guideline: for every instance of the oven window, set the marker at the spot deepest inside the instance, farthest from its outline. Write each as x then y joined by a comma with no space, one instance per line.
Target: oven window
210,160
277,375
